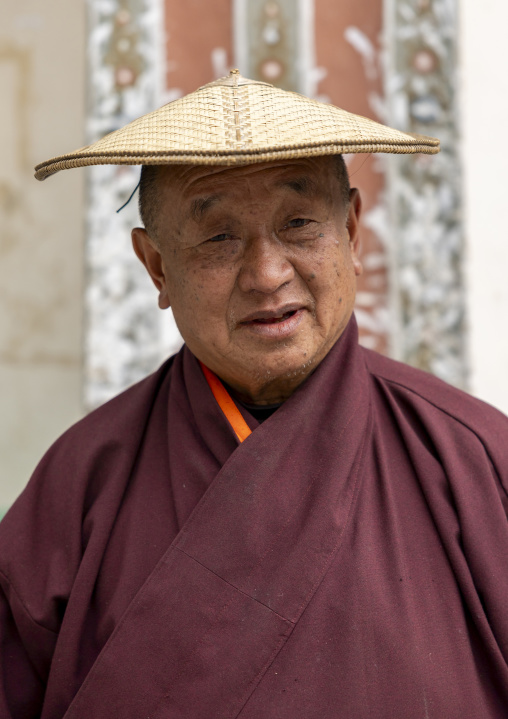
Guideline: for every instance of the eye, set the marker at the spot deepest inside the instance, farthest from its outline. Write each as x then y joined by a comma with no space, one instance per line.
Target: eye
297,222
221,238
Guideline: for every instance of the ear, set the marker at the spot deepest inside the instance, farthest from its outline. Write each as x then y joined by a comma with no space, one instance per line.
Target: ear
353,226
150,256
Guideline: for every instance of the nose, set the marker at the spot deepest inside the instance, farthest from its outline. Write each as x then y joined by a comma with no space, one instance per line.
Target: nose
265,266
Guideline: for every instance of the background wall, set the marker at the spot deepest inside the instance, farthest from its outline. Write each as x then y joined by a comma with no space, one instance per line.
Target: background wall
41,232
484,112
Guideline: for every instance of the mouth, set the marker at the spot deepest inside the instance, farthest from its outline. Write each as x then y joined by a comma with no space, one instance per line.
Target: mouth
279,323
274,319
275,316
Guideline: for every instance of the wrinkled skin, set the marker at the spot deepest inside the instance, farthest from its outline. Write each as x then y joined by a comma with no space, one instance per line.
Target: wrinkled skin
259,264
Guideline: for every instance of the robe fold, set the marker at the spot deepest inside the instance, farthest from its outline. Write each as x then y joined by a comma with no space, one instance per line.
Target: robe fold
348,559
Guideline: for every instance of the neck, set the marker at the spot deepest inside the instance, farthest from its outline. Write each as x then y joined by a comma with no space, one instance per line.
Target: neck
274,392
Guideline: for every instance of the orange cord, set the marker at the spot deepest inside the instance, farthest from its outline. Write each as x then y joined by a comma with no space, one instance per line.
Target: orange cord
231,411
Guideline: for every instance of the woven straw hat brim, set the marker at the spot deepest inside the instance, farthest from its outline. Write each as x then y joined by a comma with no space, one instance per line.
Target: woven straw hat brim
238,121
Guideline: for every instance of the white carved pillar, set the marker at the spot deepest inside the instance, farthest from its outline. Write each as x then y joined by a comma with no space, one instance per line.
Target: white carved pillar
126,336
426,192
274,42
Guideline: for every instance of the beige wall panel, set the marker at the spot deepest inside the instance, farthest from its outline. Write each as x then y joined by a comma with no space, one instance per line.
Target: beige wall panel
484,111
35,410
41,231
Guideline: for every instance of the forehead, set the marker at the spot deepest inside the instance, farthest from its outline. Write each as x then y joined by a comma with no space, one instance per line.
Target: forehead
302,175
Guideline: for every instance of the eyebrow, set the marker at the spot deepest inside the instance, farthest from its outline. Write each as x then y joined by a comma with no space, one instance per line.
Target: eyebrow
302,185
200,205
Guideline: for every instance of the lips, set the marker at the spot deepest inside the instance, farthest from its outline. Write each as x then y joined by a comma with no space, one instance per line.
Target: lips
272,320
271,316
275,324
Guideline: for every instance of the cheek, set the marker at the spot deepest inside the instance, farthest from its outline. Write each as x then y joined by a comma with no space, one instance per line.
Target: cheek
331,280
211,275
200,295
183,289
310,264
217,257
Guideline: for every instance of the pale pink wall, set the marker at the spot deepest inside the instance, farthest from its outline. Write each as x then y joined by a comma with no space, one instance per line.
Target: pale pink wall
194,29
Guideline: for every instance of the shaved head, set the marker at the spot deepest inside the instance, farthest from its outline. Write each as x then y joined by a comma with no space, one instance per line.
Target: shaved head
153,175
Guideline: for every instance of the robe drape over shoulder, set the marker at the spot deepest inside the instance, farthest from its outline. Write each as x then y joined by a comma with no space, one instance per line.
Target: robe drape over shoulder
348,559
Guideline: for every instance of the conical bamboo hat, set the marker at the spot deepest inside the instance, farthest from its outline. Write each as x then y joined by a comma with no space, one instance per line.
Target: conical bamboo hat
235,121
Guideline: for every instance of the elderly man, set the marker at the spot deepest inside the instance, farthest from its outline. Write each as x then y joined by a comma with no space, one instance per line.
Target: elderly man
277,523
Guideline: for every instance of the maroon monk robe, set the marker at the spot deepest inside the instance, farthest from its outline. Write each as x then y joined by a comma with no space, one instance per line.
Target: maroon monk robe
348,559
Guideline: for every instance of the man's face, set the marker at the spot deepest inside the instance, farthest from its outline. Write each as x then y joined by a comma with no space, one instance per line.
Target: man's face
259,265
